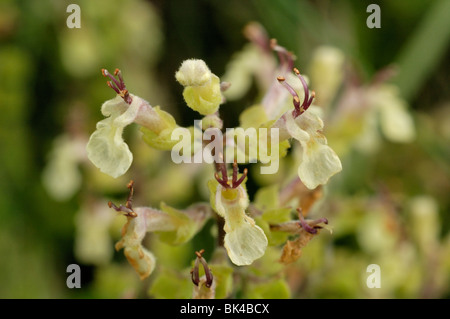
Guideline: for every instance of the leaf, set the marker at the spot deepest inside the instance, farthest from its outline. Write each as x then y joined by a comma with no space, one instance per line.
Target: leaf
170,285
223,276
276,289
267,197
253,116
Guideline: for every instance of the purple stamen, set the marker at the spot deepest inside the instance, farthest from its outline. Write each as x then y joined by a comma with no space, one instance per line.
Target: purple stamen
291,90
112,86
221,181
128,212
304,224
305,87
235,172
240,180
318,221
286,57
121,82
195,275
118,85
234,181
299,109
107,74
313,95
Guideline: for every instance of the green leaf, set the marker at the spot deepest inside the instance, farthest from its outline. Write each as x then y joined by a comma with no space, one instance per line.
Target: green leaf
253,116
276,289
170,285
424,50
267,197
274,216
223,276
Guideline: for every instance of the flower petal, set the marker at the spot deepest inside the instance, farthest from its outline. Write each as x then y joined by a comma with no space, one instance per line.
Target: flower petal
319,163
294,129
396,123
142,260
245,243
193,72
114,106
204,99
106,148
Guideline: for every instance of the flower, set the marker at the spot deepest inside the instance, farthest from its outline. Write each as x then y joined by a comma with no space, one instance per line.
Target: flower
106,148
395,122
202,90
133,232
305,229
61,176
318,161
174,227
327,72
244,240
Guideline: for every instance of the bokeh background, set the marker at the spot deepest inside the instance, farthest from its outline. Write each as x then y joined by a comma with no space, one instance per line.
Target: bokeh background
389,206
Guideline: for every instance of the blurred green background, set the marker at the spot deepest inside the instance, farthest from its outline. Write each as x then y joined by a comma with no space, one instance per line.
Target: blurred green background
389,206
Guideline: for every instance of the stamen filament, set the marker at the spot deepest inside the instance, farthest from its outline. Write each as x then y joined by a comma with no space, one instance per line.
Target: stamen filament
107,74
118,85
304,224
305,87
240,180
299,109
112,86
235,172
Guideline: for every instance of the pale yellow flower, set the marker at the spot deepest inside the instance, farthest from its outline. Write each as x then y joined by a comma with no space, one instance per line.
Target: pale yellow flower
202,91
244,240
318,162
106,148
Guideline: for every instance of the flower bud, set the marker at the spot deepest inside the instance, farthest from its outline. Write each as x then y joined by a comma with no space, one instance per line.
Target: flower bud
202,91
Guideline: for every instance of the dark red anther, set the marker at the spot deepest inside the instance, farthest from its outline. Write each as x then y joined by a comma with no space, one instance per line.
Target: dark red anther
235,182
195,272
311,227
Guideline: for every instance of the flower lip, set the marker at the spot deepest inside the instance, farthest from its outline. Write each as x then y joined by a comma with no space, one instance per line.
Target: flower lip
118,85
235,182
299,109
